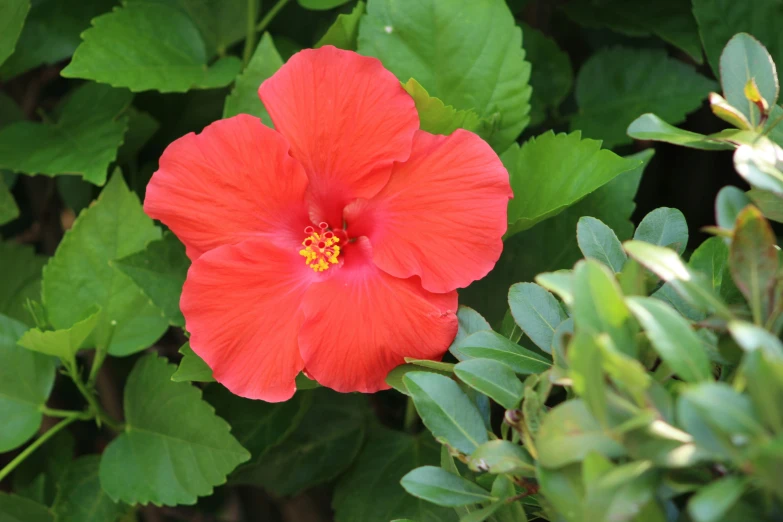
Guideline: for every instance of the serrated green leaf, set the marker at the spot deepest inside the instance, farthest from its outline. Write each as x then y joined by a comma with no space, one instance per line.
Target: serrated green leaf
552,76
599,242
552,172
753,259
26,379
18,509
169,429
159,271
446,411
80,497
61,343
364,494
344,31
742,60
148,46
492,378
84,140
244,96
12,16
324,445
492,345
435,116
664,227
616,86
650,127
192,368
23,269
537,313
440,487
492,78
673,339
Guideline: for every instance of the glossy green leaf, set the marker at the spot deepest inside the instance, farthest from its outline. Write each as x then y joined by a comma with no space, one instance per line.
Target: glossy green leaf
364,494
440,487
79,277
494,379
469,321
26,379
84,140
61,343
664,227
244,96
586,370
192,368
159,271
345,30
753,258
650,127
502,456
148,45
435,116
728,205
742,60
12,16
552,76
673,338
599,242
14,508
569,432
80,497
616,86
711,503
491,345
23,269
536,311
322,447
492,78
168,428
553,171
446,411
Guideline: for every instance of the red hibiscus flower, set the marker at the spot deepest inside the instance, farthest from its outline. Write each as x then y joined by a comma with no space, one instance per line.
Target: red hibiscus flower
334,243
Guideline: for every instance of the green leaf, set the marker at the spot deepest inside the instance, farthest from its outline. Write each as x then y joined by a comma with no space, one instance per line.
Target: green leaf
470,321
494,379
410,39
553,171
145,46
664,227
537,312
344,31
79,277
723,409
321,5
711,502
440,487
757,163
564,488
599,242
672,337
569,432
61,343
12,16
502,456
616,86
770,203
599,307
84,140
80,497
435,116
753,259
244,96
365,493
712,260
763,373
492,345
51,33
742,60
26,379
37,477
159,271
670,20
728,205
8,208
552,76
586,370
324,445
22,268
446,411
192,368
141,128
169,429
751,337
18,509
650,127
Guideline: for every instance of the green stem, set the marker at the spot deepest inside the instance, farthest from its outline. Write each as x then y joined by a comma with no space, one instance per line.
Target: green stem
411,416
250,37
267,19
101,417
80,415
35,445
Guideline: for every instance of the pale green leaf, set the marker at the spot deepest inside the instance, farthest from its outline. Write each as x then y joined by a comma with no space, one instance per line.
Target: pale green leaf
435,116
344,31
192,368
664,227
61,343
650,127
599,242
742,60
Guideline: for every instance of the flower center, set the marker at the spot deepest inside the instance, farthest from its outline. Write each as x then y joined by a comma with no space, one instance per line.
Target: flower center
320,248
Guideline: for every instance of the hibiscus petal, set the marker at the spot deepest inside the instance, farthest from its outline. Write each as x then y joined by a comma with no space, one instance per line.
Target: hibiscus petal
232,182
242,308
362,322
347,119
442,215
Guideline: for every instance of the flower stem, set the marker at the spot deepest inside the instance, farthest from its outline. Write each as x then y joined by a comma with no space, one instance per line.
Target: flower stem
80,415
250,36
267,19
411,416
101,417
37,444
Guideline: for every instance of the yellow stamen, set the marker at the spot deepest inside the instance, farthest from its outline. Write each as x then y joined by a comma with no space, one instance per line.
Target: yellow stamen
318,257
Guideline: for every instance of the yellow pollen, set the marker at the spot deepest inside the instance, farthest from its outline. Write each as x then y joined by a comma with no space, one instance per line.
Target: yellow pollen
317,257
